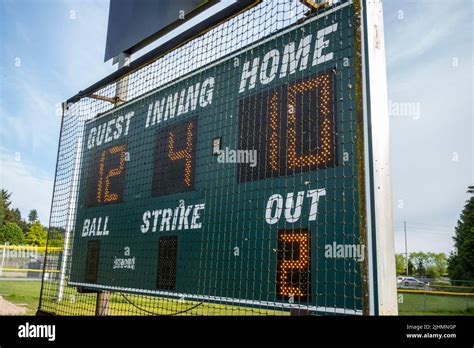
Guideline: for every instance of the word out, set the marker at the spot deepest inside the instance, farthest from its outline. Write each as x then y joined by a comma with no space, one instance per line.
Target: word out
292,207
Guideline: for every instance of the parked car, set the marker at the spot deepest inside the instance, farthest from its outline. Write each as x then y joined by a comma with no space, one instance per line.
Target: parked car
400,279
412,282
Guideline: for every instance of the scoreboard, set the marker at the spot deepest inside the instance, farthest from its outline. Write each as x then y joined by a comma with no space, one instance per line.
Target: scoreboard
240,182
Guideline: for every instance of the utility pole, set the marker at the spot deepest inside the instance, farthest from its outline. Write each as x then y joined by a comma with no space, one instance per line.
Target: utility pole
406,248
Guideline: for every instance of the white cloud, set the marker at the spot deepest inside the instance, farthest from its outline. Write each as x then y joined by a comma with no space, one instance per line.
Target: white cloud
425,178
423,27
73,52
423,240
34,123
31,188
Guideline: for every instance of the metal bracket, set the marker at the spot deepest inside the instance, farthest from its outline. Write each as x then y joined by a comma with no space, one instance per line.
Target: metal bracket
112,100
315,5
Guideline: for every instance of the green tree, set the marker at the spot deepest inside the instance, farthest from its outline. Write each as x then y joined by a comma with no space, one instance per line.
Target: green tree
2,211
4,205
432,272
6,198
14,215
420,261
432,265
440,263
56,237
461,262
401,263
8,214
33,216
11,233
36,235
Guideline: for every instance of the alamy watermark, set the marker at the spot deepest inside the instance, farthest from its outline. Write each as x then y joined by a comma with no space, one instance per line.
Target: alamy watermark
404,109
19,252
344,251
237,156
37,331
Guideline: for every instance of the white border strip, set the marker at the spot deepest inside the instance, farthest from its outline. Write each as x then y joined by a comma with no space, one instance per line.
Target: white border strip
368,172
209,66
223,299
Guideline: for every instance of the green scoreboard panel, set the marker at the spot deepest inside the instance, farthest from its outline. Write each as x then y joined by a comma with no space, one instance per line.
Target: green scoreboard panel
237,183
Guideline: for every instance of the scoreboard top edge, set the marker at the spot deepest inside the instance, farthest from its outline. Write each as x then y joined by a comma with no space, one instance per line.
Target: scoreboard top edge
315,16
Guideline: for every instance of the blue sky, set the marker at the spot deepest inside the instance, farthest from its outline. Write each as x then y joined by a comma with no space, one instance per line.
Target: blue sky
52,49
429,62
49,51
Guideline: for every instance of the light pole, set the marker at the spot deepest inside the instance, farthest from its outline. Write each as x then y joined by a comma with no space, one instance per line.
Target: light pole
406,245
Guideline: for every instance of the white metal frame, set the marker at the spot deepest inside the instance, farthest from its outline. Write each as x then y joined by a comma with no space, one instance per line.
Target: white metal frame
382,276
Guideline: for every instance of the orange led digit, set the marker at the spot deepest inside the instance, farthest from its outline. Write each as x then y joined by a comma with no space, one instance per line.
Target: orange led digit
324,155
175,158
105,183
185,153
120,149
293,265
101,176
274,132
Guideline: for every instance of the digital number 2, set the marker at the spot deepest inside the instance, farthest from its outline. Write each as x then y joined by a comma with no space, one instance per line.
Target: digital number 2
293,264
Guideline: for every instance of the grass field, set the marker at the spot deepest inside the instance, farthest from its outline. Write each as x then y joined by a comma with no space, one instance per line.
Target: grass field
27,293
126,304
420,304
22,293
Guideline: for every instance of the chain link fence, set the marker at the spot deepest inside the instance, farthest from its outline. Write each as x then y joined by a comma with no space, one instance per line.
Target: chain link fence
28,262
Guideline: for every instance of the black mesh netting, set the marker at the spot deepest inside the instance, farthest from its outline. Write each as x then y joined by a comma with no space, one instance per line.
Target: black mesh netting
220,179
